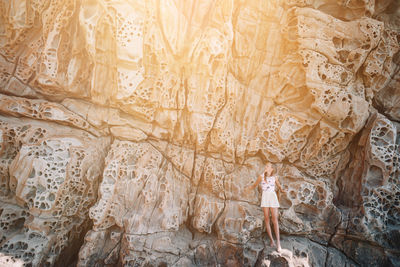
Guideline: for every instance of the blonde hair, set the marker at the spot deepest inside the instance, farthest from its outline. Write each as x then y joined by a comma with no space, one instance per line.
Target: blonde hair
274,169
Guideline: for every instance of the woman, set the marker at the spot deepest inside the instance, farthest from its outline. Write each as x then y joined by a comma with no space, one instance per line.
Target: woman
269,200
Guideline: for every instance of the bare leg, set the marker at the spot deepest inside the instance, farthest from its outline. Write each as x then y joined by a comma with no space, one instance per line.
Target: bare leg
268,226
274,215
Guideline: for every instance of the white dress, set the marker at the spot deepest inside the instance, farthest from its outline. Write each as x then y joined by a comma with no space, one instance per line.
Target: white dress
269,198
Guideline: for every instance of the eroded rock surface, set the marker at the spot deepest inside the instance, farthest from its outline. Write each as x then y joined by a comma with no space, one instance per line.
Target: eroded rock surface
128,131
50,176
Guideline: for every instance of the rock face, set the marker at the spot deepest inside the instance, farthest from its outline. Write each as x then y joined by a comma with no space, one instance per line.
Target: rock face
129,130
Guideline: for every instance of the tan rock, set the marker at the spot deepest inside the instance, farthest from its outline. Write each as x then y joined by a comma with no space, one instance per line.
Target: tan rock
369,190
132,184
298,251
50,174
196,96
43,110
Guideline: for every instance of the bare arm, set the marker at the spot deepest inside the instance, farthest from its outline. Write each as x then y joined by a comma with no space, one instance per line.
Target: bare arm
278,185
254,185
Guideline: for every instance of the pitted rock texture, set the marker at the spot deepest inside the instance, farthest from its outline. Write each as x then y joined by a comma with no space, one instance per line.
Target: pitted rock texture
129,129
50,177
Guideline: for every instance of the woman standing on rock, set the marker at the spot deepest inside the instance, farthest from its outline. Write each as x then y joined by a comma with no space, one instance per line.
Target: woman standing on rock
269,200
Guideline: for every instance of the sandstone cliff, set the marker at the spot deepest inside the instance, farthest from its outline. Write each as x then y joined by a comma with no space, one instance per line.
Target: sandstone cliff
130,128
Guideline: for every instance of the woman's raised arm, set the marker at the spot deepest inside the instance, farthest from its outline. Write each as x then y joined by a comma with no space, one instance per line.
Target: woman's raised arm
254,185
